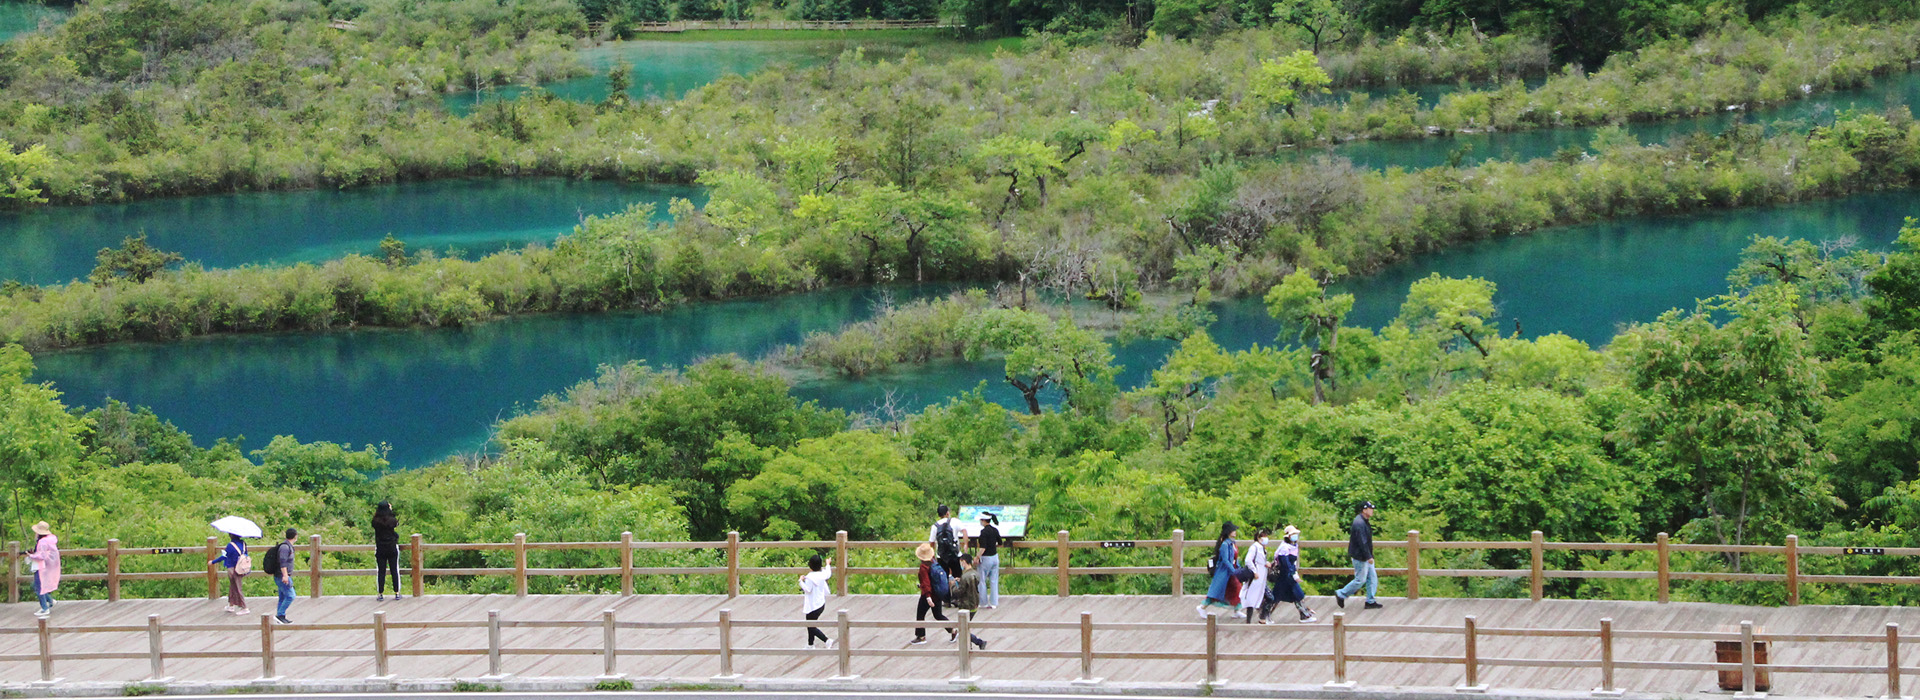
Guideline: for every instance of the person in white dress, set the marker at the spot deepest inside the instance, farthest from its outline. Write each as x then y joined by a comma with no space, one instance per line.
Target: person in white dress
1255,591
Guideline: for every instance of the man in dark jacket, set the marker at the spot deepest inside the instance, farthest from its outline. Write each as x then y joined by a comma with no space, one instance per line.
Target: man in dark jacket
1360,550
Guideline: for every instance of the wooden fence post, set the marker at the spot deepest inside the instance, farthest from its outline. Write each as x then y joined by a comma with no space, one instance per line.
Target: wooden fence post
1340,653
1893,660
1213,650
13,572
1060,553
380,669
1663,574
520,564
1413,565
733,569
213,570
113,570
626,565
1606,657
1086,650
46,651
1539,564
313,567
1746,658
726,647
493,644
156,660
1179,563
610,643
417,559
1472,659
266,647
1793,569
965,638
840,563
846,647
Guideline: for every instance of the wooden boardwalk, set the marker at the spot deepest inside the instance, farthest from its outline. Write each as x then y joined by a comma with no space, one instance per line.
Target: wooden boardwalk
572,652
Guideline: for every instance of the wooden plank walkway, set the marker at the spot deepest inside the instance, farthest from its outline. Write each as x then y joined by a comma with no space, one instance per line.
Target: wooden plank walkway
936,660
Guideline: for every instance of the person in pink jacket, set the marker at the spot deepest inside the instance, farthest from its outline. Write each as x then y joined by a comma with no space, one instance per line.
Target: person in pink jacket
46,566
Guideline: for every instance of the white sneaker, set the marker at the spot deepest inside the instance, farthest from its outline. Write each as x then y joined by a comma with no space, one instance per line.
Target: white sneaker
1202,609
42,614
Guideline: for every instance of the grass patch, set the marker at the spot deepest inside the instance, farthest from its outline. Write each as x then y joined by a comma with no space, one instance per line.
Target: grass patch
691,688
137,690
622,684
472,687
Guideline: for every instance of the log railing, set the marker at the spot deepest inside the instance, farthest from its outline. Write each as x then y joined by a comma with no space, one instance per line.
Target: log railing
1178,565
785,25
389,655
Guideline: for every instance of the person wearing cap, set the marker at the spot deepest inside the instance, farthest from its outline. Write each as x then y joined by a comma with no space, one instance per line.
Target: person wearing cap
45,556
1360,550
1286,581
988,563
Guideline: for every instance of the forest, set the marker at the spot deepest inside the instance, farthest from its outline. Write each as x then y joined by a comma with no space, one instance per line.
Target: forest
1142,159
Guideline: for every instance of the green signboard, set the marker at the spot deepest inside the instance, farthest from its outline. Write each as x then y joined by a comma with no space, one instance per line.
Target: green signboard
1013,519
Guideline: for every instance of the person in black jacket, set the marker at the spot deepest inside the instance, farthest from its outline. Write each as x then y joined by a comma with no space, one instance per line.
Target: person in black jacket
386,550
1360,550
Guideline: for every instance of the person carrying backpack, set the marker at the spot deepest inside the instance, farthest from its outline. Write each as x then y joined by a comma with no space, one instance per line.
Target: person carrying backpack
238,565
935,588
279,565
966,593
945,536
1286,575
1224,567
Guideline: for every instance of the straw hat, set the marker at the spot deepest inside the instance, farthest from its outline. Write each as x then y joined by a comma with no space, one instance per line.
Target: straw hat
925,552
41,528
1289,531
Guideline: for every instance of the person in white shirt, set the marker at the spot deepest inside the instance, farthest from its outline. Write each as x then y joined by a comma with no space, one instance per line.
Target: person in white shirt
1255,591
813,593
946,536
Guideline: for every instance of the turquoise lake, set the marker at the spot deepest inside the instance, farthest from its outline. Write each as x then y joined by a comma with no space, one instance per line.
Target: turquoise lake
431,393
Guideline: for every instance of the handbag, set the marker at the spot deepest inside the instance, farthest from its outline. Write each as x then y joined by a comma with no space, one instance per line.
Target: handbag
1244,574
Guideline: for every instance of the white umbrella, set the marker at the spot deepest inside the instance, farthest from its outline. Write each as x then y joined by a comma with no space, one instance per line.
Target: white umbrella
236,525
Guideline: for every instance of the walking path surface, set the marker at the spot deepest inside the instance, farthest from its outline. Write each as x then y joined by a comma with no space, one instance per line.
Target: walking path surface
936,660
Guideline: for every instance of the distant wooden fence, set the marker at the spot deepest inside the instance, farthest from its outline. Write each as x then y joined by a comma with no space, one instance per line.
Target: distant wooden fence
384,651
843,25
1063,570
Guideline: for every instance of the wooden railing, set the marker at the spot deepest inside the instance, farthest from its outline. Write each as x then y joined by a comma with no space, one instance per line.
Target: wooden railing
852,24
384,651
1176,568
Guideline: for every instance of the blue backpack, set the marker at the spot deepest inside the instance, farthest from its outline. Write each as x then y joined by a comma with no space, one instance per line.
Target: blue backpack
942,588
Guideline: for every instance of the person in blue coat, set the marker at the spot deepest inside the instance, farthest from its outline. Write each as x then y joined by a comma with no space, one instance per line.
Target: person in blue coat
1286,574
1225,562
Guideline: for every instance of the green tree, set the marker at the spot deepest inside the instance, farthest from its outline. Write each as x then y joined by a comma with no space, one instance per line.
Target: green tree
1735,406
853,481
1042,353
24,174
1324,20
1302,305
1875,432
1016,158
394,251
1453,310
619,81
134,261
1895,304
1280,83
1185,385
40,442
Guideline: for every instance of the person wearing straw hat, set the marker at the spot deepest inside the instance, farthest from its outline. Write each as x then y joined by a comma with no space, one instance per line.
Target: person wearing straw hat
45,556
935,587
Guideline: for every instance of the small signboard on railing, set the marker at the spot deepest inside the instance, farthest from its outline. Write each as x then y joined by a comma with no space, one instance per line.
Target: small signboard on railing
169,550
1013,520
1863,550
1123,544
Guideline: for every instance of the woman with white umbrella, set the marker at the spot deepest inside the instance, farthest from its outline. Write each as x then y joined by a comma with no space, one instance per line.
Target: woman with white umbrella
235,559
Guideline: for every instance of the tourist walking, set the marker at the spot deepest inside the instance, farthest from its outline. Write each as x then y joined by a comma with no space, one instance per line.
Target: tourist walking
386,550
988,542
279,565
1253,594
45,557
935,587
234,558
945,536
1287,586
1360,550
966,594
1220,591
813,596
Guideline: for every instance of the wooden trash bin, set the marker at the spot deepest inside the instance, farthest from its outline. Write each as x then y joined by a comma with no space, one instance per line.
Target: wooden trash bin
1729,653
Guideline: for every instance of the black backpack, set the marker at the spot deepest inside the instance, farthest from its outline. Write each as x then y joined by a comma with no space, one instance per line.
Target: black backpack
272,563
945,542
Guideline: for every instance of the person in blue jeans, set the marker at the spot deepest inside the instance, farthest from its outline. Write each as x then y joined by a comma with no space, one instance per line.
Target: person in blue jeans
1360,550
283,578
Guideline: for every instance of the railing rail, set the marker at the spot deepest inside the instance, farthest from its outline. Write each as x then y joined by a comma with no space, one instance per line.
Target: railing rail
391,642
113,559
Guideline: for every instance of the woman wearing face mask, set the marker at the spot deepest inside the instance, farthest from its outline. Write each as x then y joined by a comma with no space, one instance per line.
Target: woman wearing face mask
1256,589
1286,571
